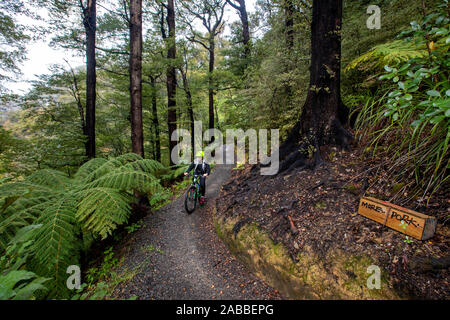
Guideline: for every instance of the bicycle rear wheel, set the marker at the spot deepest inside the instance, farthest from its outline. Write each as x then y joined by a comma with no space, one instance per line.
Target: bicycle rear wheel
190,202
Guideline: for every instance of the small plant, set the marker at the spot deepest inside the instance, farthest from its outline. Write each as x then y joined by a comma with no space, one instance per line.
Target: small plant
239,166
149,248
404,226
134,227
407,240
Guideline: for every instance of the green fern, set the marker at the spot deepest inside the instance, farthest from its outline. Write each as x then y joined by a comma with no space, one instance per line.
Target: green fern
389,53
20,285
101,210
96,201
89,167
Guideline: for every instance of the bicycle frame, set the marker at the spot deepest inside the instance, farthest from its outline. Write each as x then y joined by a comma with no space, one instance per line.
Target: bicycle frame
196,184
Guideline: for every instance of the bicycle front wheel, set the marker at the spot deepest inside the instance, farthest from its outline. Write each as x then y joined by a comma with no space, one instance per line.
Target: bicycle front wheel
190,202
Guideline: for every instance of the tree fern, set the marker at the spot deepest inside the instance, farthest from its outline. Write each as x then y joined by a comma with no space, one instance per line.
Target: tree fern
127,180
50,178
389,53
89,167
97,200
20,285
101,210
145,165
56,243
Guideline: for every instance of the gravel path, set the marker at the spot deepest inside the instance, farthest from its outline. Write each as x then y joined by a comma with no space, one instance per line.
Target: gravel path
179,256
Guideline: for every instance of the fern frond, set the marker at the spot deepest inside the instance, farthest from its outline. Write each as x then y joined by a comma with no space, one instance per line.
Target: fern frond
21,214
179,171
56,245
103,209
20,285
31,206
9,225
126,181
145,165
390,53
50,178
18,189
103,169
89,167
175,173
128,157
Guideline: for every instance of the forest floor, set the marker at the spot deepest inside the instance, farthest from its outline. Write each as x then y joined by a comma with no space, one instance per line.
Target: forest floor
179,256
302,208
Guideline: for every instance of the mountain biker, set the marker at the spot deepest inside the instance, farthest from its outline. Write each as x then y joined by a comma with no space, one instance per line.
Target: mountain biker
201,169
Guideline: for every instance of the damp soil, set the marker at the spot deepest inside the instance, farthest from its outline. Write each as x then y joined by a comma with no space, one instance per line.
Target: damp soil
318,209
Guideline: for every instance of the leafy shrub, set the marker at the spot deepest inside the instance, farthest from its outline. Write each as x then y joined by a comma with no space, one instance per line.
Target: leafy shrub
410,115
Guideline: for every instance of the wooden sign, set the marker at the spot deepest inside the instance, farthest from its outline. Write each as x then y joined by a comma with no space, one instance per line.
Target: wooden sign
412,223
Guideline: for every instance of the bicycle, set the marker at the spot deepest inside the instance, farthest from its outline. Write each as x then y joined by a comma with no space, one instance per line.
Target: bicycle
192,195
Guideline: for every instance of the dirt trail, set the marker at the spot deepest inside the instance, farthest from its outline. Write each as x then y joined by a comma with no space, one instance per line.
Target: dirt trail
181,257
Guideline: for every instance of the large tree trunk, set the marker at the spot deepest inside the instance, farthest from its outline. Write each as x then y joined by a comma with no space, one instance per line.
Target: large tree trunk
171,77
155,120
211,84
90,25
137,132
321,119
187,90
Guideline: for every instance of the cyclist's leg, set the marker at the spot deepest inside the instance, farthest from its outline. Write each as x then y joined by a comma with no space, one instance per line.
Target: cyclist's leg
202,186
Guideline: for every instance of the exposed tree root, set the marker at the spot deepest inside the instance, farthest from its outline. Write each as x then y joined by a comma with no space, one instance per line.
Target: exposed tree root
303,152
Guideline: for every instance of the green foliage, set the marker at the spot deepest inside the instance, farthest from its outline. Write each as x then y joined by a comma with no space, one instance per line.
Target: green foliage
96,201
390,53
20,285
102,280
134,227
411,114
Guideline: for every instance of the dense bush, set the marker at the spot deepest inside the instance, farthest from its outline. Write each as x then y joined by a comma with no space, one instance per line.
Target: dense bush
409,116
47,219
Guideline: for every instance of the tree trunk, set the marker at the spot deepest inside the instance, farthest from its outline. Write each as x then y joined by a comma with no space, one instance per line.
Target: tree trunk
289,24
211,84
320,122
241,8
187,90
155,120
171,77
90,25
137,132
245,28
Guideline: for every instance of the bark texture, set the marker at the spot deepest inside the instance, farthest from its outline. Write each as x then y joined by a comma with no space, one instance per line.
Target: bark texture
137,132
323,113
90,26
240,6
155,119
171,76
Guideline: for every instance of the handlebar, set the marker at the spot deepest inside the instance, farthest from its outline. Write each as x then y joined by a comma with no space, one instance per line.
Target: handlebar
195,175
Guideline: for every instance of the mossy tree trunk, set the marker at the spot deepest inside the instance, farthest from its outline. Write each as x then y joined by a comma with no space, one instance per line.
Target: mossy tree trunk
323,114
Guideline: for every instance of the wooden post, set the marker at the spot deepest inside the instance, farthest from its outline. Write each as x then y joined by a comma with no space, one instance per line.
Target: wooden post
412,223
